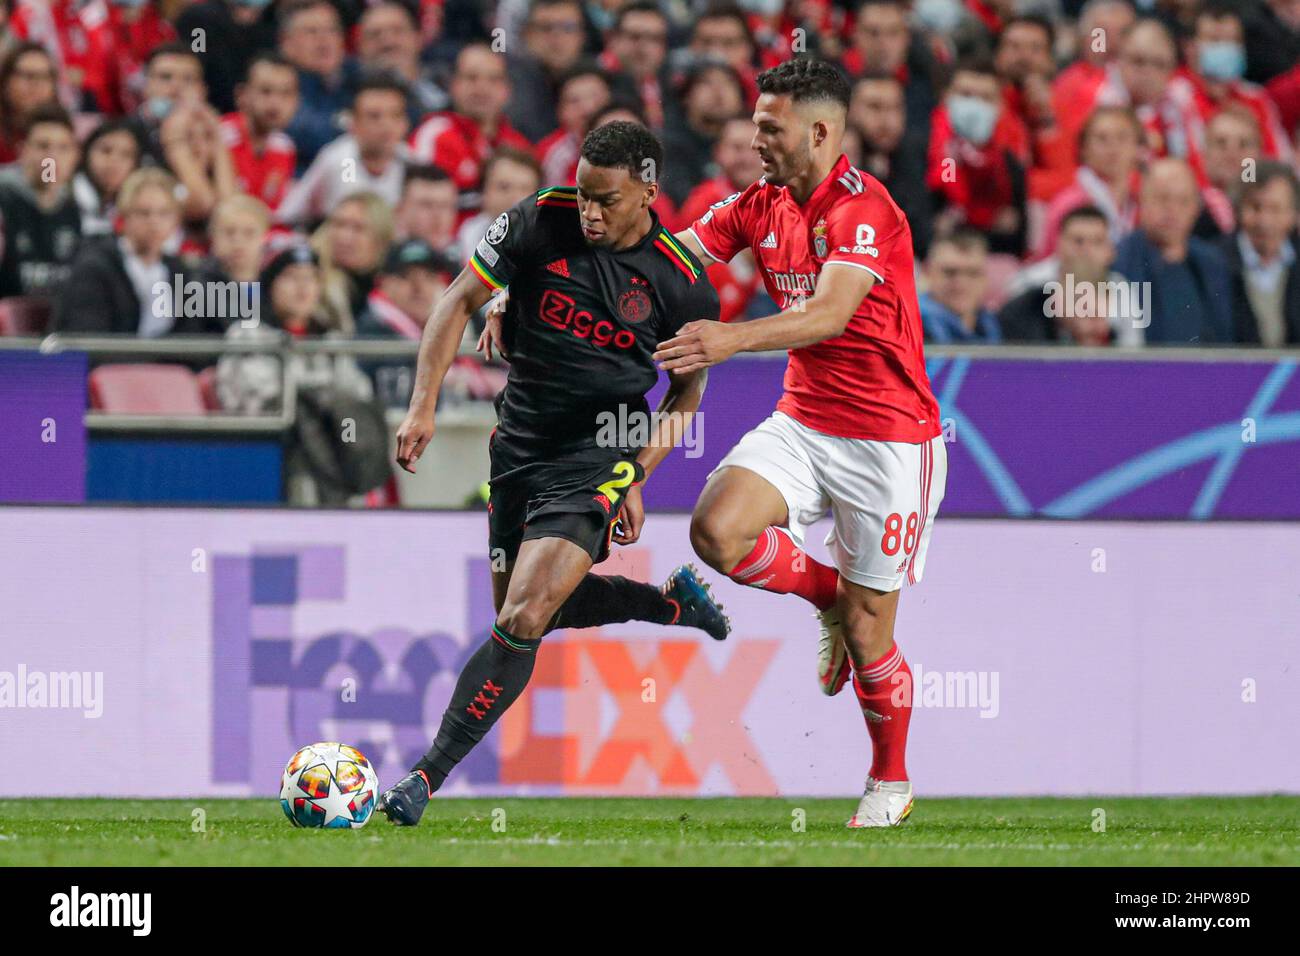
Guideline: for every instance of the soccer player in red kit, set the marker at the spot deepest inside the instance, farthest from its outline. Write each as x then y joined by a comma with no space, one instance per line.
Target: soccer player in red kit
856,432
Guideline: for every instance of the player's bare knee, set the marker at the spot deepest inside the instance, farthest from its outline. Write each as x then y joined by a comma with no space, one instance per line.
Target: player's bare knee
714,543
525,618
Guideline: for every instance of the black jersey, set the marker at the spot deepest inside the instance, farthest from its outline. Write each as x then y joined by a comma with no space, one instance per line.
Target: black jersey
582,322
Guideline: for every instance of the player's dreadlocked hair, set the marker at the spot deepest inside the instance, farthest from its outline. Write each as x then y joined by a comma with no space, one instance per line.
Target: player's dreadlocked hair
625,145
805,79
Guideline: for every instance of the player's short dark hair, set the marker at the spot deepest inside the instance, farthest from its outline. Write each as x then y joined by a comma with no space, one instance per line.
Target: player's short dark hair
806,79
1088,211
381,82
174,48
624,145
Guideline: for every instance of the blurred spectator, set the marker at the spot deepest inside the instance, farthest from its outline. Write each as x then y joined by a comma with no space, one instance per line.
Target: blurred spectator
1232,149
28,79
583,94
411,282
977,159
196,154
233,31
1025,63
1216,59
80,42
738,166
111,153
711,94
1073,305
125,284
136,27
1188,298
173,77
264,156
889,148
1146,78
326,461
883,44
428,208
638,48
1262,259
352,244
553,41
1101,25
239,229
952,308
1272,39
1110,147
371,158
510,176
722,34
461,139
409,285
388,39
311,38
40,223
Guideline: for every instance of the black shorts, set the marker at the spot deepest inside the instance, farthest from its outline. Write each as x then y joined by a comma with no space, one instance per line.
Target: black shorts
577,501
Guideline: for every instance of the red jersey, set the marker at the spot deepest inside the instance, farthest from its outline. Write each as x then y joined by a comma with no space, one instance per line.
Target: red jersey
869,381
266,175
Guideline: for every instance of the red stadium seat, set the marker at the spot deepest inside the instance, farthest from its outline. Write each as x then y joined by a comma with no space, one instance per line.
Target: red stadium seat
25,315
146,389
208,388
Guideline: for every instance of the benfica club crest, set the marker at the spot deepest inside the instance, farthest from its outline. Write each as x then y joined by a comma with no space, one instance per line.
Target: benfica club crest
819,239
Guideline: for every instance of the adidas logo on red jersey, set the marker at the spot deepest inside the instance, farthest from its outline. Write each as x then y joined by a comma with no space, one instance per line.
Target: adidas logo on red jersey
769,242
560,267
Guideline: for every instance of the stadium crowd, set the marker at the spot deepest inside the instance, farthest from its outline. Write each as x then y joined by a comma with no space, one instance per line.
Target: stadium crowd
1089,173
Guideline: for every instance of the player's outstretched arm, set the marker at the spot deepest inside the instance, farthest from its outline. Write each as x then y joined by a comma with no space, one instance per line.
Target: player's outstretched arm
822,316
438,345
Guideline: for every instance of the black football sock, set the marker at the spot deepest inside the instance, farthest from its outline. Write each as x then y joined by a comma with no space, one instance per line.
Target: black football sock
609,599
489,683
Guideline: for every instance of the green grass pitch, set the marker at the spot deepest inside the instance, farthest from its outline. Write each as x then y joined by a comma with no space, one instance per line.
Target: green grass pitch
1201,831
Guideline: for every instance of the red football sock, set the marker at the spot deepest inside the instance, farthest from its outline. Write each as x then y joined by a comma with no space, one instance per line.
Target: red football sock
884,690
776,564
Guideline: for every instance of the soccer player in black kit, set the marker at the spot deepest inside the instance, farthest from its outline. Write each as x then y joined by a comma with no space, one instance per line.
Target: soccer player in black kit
595,284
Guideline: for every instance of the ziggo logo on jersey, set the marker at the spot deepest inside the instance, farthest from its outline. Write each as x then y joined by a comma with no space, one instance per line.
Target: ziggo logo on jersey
559,310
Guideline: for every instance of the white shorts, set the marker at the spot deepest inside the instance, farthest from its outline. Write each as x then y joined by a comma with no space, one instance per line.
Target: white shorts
883,495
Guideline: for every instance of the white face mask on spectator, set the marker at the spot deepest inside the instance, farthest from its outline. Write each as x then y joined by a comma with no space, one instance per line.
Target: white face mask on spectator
941,16
972,118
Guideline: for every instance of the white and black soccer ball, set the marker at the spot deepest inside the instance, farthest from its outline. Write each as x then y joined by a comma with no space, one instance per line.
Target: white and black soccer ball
329,785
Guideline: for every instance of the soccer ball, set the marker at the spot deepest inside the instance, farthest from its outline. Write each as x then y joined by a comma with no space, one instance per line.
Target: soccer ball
328,785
